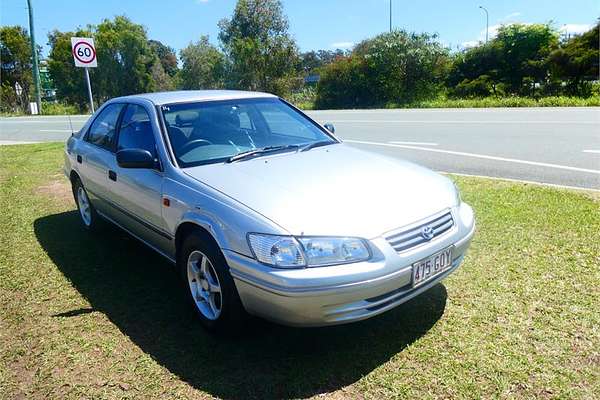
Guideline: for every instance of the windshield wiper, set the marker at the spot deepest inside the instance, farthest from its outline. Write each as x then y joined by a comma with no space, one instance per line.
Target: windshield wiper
260,151
312,145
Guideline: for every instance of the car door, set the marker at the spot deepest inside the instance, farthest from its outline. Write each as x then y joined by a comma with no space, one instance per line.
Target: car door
138,192
95,156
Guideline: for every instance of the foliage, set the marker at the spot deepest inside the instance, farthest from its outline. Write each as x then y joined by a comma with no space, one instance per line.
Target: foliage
166,55
311,61
523,50
15,68
577,61
397,66
125,58
303,98
50,108
514,62
507,101
261,53
68,80
161,81
203,66
257,53
345,83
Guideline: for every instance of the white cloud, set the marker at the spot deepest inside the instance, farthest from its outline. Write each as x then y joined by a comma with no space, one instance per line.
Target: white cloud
510,17
470,43
575,29
342,45
566,29
202,1
493,32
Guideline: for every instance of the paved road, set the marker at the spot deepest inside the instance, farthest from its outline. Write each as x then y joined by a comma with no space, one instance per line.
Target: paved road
551,145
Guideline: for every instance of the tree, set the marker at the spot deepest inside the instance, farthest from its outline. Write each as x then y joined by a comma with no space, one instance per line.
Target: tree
125,62
515,61
161,81
261,53
396,67
203,66
125,59
345,83
68,80
312,60
576,61
166,55
523,55
15,68
474,72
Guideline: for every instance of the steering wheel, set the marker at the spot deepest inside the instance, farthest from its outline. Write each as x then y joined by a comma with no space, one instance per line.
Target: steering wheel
192,144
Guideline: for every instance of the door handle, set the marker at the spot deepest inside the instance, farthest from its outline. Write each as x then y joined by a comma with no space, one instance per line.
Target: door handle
79,158
112,175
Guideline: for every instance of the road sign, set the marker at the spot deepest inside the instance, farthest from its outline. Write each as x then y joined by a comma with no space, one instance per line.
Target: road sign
84,52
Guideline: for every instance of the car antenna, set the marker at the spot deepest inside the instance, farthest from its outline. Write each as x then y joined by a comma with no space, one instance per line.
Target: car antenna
70,124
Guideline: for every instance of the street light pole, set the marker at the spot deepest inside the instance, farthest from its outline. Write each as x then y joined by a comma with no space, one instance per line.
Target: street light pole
487,23
34,57
390,15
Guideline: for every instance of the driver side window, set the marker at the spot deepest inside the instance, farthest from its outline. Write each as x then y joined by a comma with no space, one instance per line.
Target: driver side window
102,131
136,130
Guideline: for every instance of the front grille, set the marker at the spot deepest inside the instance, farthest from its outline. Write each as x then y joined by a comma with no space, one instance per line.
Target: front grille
412,237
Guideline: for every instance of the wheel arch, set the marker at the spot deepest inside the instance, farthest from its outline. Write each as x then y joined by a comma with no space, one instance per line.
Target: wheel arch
74,176
201,228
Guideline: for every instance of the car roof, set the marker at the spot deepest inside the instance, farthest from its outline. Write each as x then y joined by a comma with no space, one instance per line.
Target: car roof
182,96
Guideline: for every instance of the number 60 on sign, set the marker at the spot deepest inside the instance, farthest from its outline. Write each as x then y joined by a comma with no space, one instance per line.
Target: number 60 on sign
84,52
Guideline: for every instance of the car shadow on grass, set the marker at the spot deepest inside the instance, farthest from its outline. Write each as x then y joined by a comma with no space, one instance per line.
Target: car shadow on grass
140,293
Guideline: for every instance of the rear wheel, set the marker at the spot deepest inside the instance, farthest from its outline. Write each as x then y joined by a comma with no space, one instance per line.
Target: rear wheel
208,284
87,212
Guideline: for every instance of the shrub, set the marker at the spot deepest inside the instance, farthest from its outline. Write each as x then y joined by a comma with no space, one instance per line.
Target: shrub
479,87
303,98
345,83
59,109
392,67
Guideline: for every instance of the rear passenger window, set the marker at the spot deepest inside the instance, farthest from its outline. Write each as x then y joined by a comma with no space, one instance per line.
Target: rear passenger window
136,130
102,131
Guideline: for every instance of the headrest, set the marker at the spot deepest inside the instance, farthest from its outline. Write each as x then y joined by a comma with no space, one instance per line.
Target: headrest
186,118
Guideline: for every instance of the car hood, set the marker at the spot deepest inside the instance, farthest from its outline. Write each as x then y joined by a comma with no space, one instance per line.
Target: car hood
333,190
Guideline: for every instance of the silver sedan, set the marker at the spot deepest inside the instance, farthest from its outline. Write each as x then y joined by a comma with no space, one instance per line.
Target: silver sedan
264,211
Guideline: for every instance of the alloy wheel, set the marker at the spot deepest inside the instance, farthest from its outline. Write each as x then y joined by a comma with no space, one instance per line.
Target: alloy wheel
204,285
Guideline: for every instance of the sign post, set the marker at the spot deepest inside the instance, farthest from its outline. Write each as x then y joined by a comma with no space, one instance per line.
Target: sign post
84,54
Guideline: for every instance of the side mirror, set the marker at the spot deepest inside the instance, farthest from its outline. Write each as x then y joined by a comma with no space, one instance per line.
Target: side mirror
329,126
135,158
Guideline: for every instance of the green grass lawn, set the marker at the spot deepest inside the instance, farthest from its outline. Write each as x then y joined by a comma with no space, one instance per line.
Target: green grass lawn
101,316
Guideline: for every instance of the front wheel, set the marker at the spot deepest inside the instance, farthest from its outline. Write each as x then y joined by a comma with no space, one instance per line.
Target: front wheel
208,284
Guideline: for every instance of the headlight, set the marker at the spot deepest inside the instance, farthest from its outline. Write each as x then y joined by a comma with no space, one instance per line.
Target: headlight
331,250
291,252
279,251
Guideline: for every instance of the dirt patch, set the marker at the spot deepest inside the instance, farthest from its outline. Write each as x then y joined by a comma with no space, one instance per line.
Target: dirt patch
59,190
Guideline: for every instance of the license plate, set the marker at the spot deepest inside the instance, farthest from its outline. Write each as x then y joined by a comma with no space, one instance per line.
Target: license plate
431,266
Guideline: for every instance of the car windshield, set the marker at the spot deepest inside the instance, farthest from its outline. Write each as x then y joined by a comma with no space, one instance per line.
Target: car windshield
215,131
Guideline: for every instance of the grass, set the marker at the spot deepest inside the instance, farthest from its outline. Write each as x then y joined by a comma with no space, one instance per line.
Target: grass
304,101
48,108
101,316
509,101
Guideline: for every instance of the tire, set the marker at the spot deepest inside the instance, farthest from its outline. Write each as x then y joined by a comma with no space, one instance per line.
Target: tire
87,213
208,284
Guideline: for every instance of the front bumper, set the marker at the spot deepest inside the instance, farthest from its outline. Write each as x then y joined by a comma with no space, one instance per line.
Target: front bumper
344,293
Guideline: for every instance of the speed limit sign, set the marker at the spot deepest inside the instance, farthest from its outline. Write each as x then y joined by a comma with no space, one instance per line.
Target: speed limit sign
84,52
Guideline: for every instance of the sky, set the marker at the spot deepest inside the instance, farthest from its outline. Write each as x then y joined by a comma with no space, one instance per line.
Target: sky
315,24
